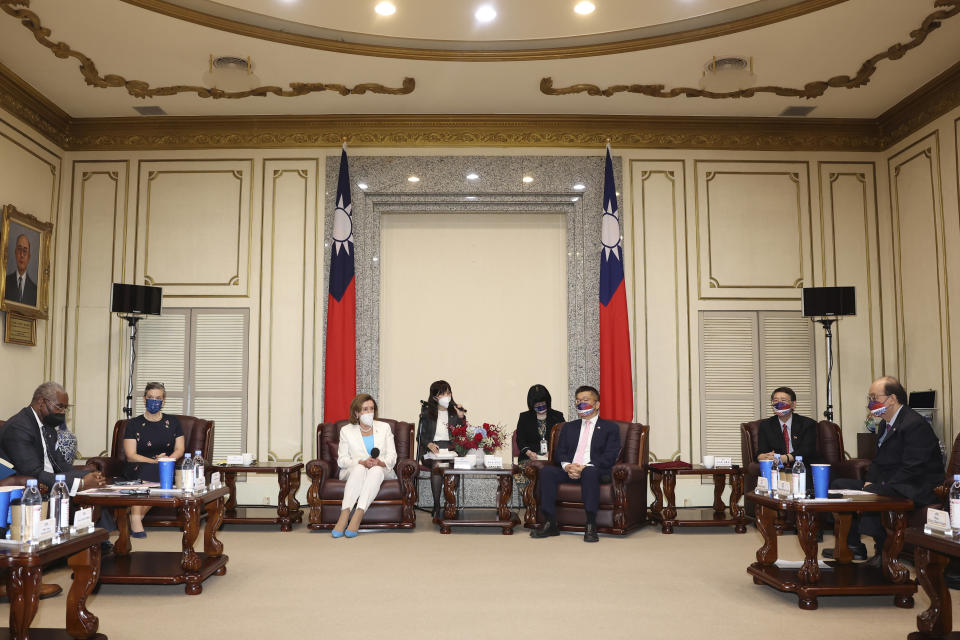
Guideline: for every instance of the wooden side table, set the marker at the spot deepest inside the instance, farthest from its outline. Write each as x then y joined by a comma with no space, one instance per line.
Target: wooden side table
502,516
288,508
669,516
932,555
24,565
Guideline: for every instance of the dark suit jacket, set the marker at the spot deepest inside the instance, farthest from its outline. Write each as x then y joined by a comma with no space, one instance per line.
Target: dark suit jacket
604,447
427,427
909,462
29,289
528,434
20,444
803,434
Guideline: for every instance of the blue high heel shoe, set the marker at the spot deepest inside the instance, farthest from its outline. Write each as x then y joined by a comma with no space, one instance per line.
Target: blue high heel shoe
138,534
351,534
336,534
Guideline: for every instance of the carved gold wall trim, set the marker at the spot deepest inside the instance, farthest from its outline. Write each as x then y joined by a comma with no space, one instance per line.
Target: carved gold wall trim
458,51
20,99
813,89
140,89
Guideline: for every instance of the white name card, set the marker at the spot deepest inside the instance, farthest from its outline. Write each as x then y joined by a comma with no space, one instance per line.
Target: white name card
215,480
784,487
48,529
762,485
493,462
938,521
463,462
722,463
235,459
83,519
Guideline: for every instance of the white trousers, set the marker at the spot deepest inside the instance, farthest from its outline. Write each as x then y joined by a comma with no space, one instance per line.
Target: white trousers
362,485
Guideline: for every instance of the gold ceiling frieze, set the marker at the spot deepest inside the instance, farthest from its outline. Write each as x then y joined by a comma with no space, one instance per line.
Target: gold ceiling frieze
140,89
945,9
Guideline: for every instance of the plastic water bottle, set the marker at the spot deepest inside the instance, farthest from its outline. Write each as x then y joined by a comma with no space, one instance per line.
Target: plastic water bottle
955,503
200,478
775,475
32,504
187,476
60,504
799,478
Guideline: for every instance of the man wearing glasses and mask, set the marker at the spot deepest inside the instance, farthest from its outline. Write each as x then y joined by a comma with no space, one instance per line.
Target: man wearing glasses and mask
787,433
908,463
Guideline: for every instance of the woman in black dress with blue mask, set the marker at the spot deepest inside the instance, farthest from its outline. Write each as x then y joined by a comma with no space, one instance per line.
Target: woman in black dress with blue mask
148,437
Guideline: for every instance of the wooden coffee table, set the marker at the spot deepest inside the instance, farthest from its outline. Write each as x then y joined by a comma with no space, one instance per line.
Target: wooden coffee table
932,554
502,516
669,516
187,567
288,508
845,577
24,565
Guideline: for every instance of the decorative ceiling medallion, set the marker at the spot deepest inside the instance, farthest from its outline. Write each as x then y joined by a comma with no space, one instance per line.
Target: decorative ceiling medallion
810,90
141,89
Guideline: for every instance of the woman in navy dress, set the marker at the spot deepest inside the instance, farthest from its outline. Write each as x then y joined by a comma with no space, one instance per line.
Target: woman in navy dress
148,437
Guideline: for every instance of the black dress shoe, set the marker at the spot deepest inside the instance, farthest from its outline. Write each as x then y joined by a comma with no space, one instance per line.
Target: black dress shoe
875,561
590,533
859,552
547,530
106,548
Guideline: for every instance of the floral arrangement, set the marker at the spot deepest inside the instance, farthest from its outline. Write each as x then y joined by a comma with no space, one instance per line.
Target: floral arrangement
466,437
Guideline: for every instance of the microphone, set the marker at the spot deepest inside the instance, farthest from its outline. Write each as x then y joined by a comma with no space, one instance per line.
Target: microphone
375,453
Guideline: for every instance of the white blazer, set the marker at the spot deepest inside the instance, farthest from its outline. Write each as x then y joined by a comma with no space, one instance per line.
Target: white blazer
352,450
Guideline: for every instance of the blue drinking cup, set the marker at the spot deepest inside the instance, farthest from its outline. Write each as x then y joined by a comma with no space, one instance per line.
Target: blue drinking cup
821,480
766,470
166,472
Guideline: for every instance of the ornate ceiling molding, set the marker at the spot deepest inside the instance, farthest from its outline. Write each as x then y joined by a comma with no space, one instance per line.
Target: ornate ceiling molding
923,106
813,89
141,89
285,32
25,102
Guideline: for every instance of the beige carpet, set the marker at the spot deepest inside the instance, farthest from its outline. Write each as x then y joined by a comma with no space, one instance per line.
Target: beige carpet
474,584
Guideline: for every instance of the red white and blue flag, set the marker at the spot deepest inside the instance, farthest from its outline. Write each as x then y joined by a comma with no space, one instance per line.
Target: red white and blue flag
340,371
616,378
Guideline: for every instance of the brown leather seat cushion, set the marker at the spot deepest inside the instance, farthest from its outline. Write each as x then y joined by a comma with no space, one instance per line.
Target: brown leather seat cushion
389,490
570,492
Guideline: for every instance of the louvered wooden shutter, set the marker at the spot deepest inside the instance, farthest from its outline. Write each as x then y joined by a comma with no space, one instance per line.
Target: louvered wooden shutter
788,359
162,357
219,380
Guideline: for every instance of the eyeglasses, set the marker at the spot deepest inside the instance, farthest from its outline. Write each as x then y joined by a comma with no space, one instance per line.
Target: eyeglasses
22,250
65,408
873,398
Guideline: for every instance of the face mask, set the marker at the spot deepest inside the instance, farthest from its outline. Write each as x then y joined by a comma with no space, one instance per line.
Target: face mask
366,419
53,419
584,408
877,408
444,401
154,405
782,409
540,408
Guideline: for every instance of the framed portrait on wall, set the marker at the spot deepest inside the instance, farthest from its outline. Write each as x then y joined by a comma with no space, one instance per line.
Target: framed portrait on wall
25,242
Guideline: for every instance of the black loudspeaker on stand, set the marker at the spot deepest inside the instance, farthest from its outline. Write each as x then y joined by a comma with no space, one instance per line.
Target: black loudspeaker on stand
828,304
132,302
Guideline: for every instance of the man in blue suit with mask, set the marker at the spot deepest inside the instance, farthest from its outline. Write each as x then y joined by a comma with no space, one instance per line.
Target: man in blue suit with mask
587,449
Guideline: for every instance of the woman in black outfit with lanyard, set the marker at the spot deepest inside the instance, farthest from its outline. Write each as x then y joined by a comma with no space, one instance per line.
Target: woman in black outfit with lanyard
535,426
438,414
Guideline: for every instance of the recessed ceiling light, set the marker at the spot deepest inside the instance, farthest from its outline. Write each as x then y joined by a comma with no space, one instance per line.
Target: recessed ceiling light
385,9
472,176
470,198
584,8
579,187
362,185
486,13
413,179
528,179
574,199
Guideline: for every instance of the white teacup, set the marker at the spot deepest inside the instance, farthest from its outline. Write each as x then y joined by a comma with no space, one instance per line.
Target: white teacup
708,461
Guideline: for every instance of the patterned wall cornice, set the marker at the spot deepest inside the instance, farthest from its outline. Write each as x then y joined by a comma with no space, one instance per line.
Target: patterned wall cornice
20,99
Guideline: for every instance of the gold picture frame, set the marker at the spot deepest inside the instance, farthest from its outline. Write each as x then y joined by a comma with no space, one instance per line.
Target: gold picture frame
24,242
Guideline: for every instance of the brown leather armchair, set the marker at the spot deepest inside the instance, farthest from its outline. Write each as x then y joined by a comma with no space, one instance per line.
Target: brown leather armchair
623,502
394,507
197,434
829,446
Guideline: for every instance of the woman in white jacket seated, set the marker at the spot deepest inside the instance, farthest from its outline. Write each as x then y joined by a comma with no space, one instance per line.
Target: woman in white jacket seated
366,457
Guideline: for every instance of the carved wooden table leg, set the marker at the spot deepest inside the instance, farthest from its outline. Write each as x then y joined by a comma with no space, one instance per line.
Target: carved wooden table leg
669,512
283,510
190,562
719,484
292,503
656,507
766,518
809,573
450,482
211,545
895,523
504,493
841,527
736,511
23,590
86,572
230,479
122,546
936,621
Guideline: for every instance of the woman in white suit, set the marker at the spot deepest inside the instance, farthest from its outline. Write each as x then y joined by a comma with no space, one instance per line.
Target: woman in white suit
366,457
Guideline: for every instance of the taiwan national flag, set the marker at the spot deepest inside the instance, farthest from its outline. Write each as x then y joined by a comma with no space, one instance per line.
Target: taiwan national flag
340,372
616,378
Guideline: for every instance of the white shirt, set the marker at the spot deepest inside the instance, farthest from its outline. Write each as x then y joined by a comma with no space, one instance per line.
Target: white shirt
443,432
47,465
590,424
789,424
